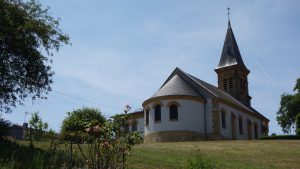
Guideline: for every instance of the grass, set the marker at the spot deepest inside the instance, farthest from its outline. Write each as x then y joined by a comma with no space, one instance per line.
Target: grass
260,154
226,154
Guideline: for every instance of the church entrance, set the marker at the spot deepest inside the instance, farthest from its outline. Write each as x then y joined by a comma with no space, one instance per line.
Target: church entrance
233,126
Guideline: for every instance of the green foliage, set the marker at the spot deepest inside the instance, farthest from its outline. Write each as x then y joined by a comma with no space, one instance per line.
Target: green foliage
16,156
39,126
74,125
26,30
289,107
298,124
109,144
281,137
4,127
199,162
102,143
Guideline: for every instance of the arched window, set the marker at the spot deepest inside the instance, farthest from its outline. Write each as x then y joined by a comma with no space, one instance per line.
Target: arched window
173,112
225,84
157,113
223,113
241,125
134,126
255,131
230,83
147,117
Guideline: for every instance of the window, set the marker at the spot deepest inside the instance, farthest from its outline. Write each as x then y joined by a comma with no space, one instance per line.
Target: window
173,112
241,125
157,113
134,126
255,131
147,117
241,83
225,84
230,83
223,119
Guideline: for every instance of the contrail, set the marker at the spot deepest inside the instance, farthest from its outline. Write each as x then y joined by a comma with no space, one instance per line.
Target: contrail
266,73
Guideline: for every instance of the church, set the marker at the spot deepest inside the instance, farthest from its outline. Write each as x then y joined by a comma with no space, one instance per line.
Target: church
186,108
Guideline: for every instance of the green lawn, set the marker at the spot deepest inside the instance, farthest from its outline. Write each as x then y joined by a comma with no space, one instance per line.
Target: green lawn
226,154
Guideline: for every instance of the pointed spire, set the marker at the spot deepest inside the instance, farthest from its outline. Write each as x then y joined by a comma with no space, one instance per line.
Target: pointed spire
230,53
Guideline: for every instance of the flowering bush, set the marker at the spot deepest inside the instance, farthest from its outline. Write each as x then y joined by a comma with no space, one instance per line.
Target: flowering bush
109,144
102,144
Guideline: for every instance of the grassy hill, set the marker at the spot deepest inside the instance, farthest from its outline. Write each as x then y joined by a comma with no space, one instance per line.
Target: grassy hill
262,154
224,154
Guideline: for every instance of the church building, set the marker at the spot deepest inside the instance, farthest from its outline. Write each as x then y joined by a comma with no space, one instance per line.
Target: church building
186,108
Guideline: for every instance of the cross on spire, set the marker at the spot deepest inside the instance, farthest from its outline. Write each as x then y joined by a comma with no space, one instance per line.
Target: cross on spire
228,13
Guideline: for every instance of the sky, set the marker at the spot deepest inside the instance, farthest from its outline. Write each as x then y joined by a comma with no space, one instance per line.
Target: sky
123,51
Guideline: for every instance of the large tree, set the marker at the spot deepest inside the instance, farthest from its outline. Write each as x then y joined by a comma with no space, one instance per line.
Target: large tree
289,108
28,36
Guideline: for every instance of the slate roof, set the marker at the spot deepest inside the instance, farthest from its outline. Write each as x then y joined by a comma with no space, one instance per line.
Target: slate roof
176,86
182,83
230,53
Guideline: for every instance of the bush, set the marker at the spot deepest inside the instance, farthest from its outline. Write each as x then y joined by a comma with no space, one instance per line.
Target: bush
281,137
4,127
200,163
298,124
13,155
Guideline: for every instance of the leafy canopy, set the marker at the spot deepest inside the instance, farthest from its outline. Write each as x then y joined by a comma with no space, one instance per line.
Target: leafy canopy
39,126
77,121
26,31
289,108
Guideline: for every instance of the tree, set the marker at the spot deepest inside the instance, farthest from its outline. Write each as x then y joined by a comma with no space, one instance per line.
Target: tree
38,125
28,36
289,108
4,127
76,122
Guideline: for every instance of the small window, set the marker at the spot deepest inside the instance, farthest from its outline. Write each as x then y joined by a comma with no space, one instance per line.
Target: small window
173,112
255,131
241,125
241,83
147,117
223,120
157,113
230,83
225,84
134,126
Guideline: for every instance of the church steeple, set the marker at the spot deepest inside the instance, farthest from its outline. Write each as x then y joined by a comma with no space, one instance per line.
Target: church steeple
230,53
231,70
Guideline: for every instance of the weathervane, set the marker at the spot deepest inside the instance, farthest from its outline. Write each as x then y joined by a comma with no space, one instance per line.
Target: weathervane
228,13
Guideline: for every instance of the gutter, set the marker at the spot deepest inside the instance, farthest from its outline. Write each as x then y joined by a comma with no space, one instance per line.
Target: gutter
205,132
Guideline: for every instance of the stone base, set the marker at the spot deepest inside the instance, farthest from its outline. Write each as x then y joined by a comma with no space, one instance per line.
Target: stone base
173,136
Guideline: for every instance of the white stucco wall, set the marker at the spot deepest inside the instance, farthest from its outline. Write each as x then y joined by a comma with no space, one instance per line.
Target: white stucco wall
227,132
140,126
190,117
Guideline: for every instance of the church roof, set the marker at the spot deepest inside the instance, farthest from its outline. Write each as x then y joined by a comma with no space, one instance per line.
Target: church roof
182,83
176,86
230,53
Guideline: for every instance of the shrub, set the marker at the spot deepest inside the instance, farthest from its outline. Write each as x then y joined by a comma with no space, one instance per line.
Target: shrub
281,137
4,127
298,124
200,161
13,155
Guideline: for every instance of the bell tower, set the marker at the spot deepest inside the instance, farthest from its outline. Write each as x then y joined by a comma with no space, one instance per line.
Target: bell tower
232,72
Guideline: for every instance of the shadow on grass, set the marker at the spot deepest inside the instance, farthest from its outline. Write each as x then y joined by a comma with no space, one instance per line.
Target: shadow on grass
13,155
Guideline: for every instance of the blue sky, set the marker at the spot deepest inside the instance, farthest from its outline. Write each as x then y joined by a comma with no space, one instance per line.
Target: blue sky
122,51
